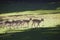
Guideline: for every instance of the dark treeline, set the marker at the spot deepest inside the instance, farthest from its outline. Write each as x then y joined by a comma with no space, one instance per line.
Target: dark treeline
7,1
19,7
30,0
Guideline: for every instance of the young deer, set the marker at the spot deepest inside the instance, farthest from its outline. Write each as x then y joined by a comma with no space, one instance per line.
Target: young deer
37,21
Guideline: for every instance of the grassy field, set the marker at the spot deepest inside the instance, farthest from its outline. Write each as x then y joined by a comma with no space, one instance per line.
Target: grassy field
50,20
49,29
36,12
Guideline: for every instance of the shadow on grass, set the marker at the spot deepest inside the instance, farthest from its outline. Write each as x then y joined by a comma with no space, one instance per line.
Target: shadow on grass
34,34
20,6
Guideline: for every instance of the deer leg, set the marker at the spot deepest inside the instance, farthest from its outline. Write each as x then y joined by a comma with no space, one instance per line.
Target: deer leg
38,24
33,24
18,25
22,24
27,24
10,25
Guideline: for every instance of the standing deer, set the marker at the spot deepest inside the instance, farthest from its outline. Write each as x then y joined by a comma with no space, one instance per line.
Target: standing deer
26,21
8,23
1,22
17,22
37,21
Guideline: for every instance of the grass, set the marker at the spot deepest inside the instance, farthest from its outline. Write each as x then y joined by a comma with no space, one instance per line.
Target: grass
50,20
51,17
37,12
33,34
47,28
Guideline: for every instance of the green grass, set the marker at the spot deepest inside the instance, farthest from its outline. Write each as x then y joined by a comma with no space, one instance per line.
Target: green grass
50,20
37,12
48,29
29,8
33,34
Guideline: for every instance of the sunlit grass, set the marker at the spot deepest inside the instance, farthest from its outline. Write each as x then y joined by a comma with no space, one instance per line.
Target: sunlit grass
36,12
50,20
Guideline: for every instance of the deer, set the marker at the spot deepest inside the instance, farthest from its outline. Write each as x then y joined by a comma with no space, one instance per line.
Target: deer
8,23
17,22
1,22
26,21
22,22
37,21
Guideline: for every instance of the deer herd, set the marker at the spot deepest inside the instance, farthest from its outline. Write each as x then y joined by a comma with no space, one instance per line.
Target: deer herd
20,23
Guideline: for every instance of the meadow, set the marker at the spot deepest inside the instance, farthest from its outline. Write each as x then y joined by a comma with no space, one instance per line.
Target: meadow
49,29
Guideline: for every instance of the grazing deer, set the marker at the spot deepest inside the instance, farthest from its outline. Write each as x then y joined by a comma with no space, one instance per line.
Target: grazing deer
37,21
